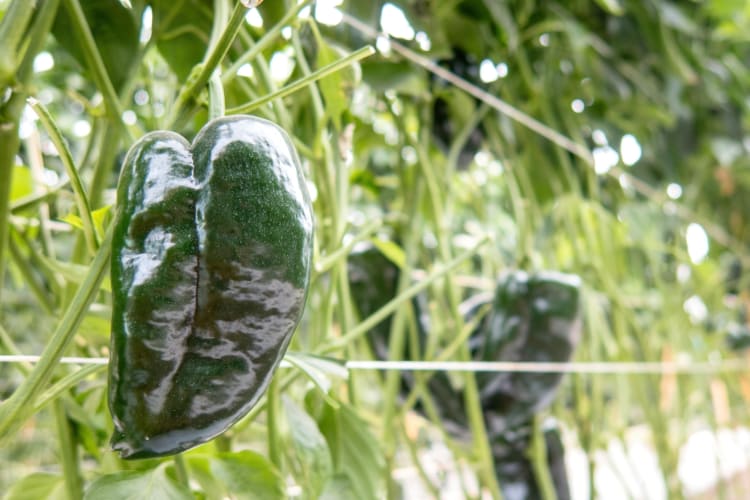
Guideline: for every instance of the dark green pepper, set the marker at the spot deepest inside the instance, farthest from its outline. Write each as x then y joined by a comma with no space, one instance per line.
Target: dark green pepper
210,267
533,317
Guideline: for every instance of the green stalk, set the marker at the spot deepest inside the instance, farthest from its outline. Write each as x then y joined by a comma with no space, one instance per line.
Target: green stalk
186,98
10,113
215,97
180,470
389,308
273,406
64,384
96,64
24,266
307,80
9,142
397,335
412,448
12,29
103,166
82,201
30,201
539,463
12,348
15,409
268,38
324,264
68,453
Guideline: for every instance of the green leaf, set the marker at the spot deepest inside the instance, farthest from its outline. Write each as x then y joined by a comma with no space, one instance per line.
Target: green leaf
102,217
391,251
339,487
74,273
354,450
182,29
73,220
22,183
200,471
249,475
115,29
38,486
317,368
310,457
613,7
337,88
153,484
400,77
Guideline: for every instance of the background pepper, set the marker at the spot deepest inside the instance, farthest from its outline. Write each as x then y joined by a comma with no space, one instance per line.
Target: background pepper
211,262
533,317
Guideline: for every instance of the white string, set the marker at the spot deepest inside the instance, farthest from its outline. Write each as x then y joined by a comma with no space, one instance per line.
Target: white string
594,367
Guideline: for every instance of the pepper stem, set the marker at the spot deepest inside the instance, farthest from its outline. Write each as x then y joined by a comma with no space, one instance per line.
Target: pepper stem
215,96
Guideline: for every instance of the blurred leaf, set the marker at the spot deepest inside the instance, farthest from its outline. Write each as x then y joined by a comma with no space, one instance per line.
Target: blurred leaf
674,17
614,7
102,217
74,273
40,485
200,471
317,368
337,87
22,184
401,77
309,454
339,487
153,484
182,29
74,220
248,475
354,450
115,29
391,251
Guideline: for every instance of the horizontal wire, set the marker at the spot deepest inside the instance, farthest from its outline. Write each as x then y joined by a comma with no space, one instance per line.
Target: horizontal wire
593,367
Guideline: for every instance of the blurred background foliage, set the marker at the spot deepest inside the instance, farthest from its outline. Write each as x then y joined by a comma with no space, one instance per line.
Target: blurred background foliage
653,216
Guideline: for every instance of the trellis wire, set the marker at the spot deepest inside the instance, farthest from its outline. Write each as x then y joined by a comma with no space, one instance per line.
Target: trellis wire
595,367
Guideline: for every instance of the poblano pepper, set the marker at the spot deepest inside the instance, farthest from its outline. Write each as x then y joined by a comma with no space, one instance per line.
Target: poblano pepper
533,317
210,267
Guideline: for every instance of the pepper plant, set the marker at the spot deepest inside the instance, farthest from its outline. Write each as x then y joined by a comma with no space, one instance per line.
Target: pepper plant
481,146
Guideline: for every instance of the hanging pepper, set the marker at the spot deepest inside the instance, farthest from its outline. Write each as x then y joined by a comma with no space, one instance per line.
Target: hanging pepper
533,317
210,267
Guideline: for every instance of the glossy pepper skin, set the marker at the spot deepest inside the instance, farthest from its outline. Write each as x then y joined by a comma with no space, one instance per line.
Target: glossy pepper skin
210,267
535,317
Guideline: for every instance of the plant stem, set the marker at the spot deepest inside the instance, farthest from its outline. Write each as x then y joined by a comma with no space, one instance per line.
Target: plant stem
539,462
272,412
307,80
25,268
82,201
96,64
10,112
397,301
15,409
186,97
12,29
68,452
324,264
181,470
215,97
9,142
268,38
